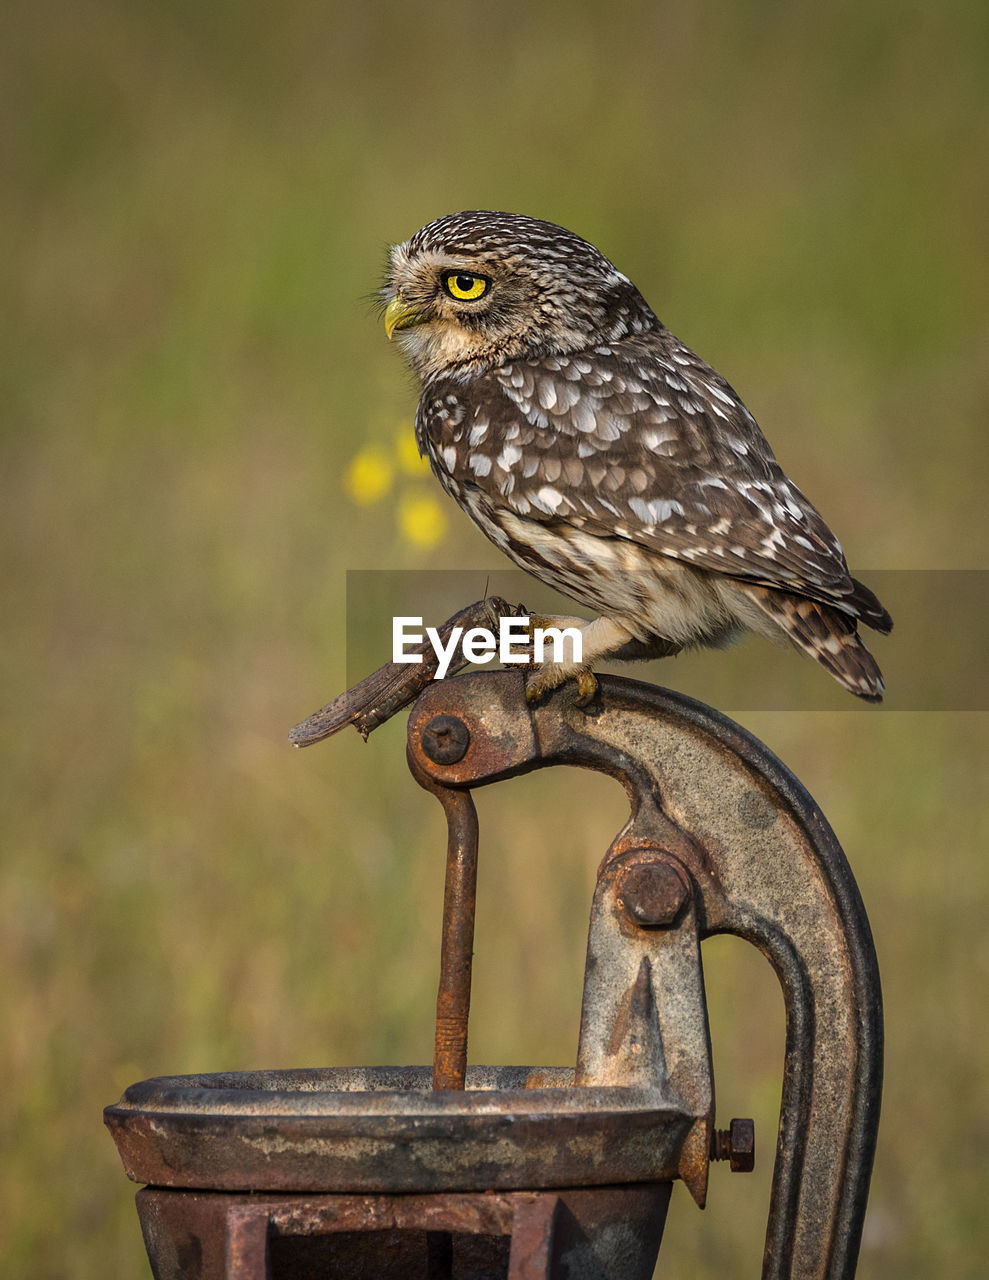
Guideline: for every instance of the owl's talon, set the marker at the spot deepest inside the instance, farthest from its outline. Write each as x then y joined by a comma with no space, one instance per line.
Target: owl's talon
553,675
587,687
534,694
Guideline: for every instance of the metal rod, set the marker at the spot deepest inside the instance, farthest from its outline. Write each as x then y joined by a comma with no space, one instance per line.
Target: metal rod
459,900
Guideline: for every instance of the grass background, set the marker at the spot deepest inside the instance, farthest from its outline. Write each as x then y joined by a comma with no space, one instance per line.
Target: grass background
195,202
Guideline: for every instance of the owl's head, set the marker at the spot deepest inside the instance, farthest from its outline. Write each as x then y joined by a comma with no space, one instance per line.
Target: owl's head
473,290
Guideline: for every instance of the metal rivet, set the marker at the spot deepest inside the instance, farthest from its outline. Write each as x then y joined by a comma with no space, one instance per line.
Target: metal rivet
653,894
445,739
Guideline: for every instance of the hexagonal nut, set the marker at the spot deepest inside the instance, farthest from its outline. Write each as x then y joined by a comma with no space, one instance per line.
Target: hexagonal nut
741,1146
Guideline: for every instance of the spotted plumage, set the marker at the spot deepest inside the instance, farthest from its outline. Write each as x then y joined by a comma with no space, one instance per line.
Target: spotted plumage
606,458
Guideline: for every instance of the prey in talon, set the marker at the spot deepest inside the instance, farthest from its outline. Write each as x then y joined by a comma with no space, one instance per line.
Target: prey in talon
607,459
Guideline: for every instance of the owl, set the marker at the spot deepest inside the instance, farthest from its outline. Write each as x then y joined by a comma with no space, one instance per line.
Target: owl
607,459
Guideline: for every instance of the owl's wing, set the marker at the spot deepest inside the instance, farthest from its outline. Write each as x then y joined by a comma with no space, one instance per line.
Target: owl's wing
639,440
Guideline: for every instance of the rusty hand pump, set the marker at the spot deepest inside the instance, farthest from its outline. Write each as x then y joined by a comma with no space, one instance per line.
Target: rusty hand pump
537,1166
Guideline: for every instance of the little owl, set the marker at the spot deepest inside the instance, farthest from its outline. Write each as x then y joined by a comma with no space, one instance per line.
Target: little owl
604,457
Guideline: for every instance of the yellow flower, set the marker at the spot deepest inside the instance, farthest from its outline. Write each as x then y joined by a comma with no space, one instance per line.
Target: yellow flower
421,520
407,452
369,476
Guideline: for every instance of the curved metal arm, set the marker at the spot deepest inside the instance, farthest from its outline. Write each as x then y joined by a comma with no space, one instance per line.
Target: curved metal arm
765,866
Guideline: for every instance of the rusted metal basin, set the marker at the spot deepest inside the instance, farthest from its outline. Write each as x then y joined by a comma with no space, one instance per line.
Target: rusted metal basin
385,1129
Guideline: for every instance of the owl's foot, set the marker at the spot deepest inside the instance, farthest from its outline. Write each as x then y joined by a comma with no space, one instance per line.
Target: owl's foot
554,674
598,639
566,666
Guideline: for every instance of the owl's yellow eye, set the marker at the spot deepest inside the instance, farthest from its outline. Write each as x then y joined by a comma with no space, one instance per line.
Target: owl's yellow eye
464,285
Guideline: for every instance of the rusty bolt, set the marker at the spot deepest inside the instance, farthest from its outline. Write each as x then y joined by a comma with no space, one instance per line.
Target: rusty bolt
736,1144
653,894
445,739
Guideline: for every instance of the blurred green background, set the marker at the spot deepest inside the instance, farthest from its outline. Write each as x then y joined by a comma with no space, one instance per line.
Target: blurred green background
194,205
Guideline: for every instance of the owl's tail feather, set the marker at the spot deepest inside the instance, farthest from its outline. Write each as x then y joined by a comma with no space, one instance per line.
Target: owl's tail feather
829,636
867,608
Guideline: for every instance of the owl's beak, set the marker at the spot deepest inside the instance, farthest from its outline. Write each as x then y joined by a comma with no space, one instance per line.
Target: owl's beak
399,315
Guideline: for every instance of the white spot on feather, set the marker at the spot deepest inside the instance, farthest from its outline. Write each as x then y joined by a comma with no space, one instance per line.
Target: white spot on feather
547,499
546,393
653,437
583,417
719,394
656,510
